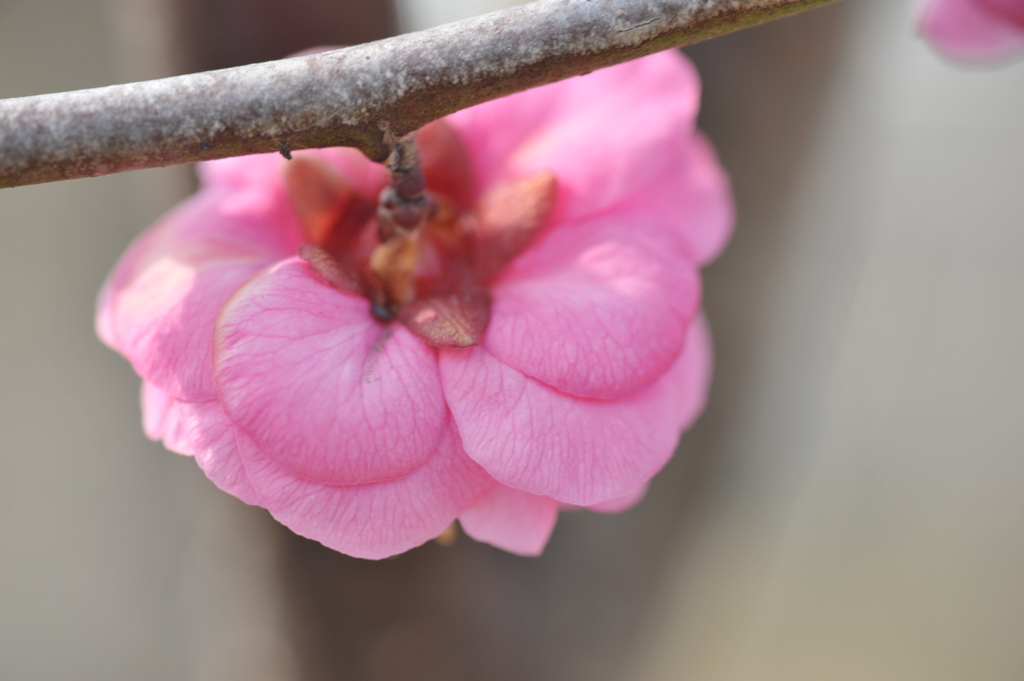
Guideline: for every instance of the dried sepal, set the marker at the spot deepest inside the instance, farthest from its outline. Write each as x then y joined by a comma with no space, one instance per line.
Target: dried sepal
446,163
457,320
332,271
320,195
508,217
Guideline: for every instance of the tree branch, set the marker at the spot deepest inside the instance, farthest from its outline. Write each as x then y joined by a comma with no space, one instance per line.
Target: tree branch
364,96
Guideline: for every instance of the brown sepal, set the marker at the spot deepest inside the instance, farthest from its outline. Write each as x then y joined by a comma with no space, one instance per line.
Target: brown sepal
334,272
446,163
508,217
457,320
320,195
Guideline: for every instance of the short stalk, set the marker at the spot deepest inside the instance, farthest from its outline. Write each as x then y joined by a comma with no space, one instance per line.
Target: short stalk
405,205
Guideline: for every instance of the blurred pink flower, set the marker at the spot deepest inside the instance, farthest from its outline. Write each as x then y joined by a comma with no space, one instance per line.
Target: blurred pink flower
574,217
975,30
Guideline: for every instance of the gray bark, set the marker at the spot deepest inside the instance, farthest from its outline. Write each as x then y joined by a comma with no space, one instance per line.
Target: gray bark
363,96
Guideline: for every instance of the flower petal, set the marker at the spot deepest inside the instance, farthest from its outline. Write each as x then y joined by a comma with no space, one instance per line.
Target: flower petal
603,134
159,304
965,30
116,282
620,504
202,430
322,388
692,204
1011,10
266,170
595,309
213,439
155,405
161,419
579,451
376,520
512,520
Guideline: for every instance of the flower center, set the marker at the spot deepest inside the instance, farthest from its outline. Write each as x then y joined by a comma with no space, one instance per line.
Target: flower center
423,256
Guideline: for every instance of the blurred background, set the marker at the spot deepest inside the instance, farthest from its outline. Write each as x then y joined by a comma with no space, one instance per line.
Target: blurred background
848,508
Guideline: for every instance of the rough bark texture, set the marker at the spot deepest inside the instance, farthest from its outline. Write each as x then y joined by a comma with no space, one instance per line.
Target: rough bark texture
360,96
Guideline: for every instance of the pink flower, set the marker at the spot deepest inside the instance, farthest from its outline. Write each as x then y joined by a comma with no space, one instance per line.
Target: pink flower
975,30
541,344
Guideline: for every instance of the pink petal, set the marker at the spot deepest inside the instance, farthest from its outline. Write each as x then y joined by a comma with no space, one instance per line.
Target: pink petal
620,504
161,419
512,520
694,204
266,170
159,304
376,520
1012,10
116,281
580,451
213,440
597,309
603,134
238,171
322,388
155,405
968,31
